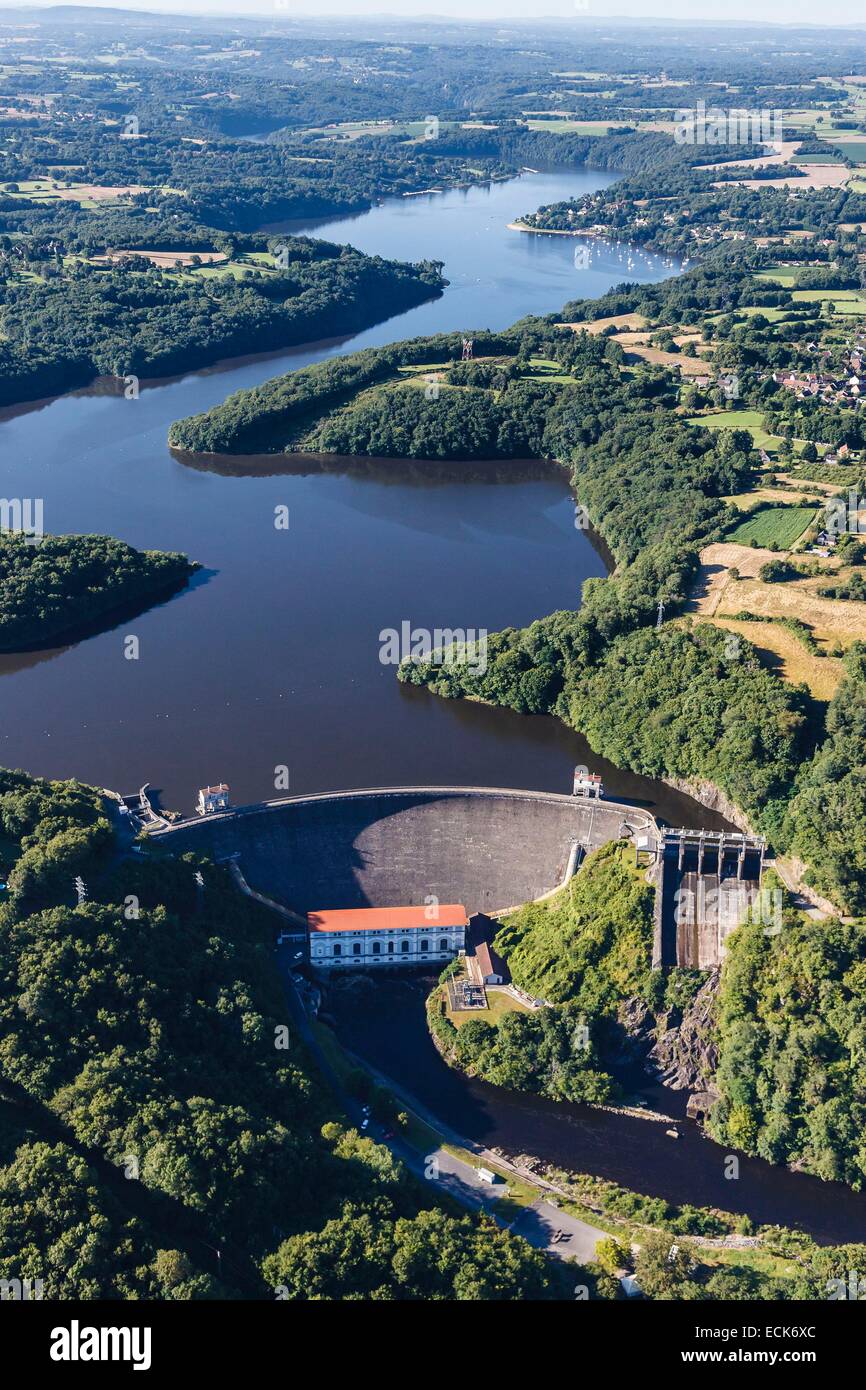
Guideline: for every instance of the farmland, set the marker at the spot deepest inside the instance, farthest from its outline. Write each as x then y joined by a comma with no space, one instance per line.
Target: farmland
779,527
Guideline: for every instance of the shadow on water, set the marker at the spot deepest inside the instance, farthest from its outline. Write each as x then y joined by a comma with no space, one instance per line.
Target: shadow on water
422,473
26,656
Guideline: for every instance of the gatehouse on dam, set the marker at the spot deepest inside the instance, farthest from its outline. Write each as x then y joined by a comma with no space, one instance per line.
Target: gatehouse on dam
488,848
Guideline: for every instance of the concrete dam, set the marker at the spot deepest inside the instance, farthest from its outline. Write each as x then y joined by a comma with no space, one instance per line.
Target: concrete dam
487,848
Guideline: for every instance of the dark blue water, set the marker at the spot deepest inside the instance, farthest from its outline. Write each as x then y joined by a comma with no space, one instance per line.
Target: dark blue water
273,659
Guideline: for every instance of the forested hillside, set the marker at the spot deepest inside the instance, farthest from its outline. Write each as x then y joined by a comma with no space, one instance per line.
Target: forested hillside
827,818
791,1019
62,331
157,1114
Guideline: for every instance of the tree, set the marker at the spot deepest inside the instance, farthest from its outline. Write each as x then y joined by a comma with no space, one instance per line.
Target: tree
611,1255
663,1265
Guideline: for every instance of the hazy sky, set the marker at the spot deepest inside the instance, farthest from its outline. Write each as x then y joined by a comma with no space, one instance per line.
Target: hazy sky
819,12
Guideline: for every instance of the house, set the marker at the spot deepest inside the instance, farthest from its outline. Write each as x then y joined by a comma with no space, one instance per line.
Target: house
485,967
383,936
211,799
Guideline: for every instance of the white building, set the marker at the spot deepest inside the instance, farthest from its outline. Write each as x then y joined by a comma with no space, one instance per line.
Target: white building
588,783
211,799
371,936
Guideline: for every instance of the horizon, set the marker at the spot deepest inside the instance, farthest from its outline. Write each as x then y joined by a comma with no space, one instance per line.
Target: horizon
782,14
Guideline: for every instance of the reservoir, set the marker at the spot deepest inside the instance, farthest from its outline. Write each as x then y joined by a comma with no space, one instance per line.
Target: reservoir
272,659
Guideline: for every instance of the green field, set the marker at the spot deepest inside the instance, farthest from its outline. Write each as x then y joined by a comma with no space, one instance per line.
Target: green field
745,311
852,149
845,302
563,124
737,420
768,526
780,274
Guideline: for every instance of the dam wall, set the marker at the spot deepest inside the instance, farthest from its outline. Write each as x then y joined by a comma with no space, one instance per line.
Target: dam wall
488,848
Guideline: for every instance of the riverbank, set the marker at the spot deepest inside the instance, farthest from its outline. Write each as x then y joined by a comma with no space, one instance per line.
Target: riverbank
548,231
566,1214
387,1028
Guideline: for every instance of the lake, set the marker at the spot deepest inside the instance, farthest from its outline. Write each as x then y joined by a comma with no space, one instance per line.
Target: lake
271,659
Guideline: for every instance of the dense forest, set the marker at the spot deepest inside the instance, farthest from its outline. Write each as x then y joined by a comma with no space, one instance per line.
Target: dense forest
57,585
791,1019
282,410
127,322
827,817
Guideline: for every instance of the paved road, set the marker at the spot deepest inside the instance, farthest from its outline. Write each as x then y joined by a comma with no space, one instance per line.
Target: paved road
537,1224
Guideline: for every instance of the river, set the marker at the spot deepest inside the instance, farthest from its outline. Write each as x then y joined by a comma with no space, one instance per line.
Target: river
271,659
385,1024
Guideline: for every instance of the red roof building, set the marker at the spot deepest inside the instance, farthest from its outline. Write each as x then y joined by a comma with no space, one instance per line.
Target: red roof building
374,936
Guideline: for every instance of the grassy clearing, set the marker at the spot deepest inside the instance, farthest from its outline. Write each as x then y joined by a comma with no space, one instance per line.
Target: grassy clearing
565,125
747,420
749,310
499,1004
780,274
545,369
845,302
769,526
750,420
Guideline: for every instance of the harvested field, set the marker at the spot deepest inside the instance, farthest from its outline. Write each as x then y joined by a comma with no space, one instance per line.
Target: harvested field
689,366
783,651
783,151
99,192
744,501
718,595
165,259
621,322
815,176
714,575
